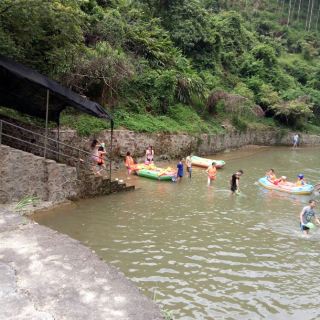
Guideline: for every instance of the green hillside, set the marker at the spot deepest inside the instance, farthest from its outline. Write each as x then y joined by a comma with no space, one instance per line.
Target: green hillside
175,65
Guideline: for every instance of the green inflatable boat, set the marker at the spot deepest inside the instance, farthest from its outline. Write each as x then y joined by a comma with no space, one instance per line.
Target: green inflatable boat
157,174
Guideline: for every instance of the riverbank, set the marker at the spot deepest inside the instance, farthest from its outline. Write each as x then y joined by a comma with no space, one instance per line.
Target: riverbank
48,275
172,146
206,254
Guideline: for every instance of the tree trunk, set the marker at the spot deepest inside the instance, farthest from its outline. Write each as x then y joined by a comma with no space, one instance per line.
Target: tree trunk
299,9
306,25
294,5
318,17
289,13
311,14
282,8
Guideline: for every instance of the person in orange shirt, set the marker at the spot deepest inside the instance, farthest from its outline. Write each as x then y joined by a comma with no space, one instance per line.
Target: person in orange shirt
129,162
212,173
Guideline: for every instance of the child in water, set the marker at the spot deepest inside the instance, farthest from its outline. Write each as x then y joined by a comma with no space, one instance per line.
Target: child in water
180,170
271,176
300,182
212,173
129,162
281,181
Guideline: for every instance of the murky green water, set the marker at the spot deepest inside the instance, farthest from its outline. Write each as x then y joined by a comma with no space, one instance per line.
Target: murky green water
205,254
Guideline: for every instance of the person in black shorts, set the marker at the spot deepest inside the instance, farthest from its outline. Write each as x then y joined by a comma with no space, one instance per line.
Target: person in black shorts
234,182
307,215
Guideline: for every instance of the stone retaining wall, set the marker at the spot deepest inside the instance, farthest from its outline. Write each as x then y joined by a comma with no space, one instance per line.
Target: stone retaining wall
168,146
25,174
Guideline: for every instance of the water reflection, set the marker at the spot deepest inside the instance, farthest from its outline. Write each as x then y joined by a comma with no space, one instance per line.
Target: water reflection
206,254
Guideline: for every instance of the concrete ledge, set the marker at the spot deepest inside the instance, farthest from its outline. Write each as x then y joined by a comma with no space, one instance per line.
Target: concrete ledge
47,275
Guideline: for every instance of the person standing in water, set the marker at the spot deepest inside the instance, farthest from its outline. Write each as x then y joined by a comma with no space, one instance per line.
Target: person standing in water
295,141
189,165
149,155
235,181
129,162
307,215
212,173
180,170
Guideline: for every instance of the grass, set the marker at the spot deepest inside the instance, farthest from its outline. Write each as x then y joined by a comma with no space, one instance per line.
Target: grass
312,129
179,119
26,201
84,124
24,118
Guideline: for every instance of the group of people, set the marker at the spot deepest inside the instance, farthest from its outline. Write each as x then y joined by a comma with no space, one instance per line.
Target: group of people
211,170
282,181
129,162
211,174
307,215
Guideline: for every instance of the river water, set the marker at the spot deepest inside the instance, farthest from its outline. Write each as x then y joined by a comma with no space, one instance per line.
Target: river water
204,254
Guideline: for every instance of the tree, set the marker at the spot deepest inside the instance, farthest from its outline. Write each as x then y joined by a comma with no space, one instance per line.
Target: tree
289,13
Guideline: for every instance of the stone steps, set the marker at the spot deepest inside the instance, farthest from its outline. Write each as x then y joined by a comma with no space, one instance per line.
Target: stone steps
25,174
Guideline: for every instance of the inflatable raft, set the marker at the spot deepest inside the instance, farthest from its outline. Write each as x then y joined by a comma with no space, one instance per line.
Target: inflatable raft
205,163
156,174
288,187
160,174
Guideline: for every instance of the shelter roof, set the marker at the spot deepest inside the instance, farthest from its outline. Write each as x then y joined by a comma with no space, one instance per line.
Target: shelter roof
25,90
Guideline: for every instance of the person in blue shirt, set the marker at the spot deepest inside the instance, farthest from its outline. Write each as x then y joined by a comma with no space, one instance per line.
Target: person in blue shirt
180,170
307,215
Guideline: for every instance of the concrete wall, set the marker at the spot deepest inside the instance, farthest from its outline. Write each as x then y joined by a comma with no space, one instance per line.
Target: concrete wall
25,174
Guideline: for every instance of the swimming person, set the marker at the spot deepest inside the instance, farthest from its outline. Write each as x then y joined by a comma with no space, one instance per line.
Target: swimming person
180,170
189,165
234,182
307,215
212,173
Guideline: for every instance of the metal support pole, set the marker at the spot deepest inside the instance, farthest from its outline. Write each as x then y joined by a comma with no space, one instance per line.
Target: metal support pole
58,138
46,134
0,132
111,149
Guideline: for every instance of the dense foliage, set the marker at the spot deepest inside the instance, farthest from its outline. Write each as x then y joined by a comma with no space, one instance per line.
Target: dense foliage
176,65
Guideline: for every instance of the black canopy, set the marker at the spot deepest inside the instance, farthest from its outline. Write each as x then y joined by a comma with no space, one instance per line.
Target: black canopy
25,90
